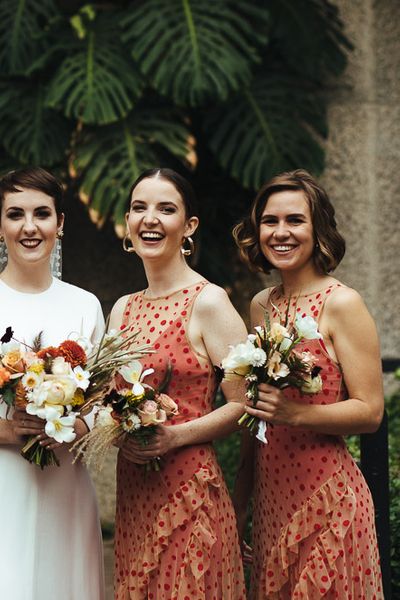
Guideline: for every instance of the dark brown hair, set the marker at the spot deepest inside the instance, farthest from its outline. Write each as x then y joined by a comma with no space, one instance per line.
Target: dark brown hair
329,244
182,186
33,178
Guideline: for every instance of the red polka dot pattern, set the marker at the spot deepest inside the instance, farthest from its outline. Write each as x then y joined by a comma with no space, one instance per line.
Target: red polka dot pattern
176,534
313,520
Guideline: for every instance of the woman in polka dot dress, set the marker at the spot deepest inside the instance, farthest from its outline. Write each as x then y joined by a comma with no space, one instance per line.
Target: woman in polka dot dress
176,534
313,520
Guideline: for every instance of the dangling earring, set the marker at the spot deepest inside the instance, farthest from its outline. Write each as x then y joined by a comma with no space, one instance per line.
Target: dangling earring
190,250
56,256
125,244
3,254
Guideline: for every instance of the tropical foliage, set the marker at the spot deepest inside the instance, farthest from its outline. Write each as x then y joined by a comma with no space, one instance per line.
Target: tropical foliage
229,92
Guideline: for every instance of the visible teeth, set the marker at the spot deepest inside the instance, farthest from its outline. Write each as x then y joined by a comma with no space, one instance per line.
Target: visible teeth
30,243
283,248
152,235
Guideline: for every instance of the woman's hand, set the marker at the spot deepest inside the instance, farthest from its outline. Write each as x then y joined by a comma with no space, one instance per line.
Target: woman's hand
163,441
24,424
273,406
49,443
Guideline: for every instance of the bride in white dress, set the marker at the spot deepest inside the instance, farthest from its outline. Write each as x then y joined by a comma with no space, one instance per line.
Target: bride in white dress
50,541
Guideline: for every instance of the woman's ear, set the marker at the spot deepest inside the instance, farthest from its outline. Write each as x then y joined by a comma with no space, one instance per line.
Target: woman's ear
191,226
60,221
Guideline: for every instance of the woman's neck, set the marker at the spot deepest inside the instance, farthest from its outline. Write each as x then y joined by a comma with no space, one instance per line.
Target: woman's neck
165,278
27,278
303,281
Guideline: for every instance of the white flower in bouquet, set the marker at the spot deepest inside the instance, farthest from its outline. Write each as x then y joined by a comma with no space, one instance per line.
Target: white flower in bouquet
132,423
312,385
59,390
104,418
60,428
307,328
31,379
133,373
285,344
278,332
242,357
277,369
60,366
81,377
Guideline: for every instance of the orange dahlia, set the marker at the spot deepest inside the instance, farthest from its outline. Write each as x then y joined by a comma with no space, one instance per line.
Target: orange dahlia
73,353
4,376
49,352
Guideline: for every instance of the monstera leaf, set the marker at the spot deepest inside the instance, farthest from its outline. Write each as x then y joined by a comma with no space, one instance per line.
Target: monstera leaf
309,35
268,128
110,158
95,82
195,51
29,131
23,27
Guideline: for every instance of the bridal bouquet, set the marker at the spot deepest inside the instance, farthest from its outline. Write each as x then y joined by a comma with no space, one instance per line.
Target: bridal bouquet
270,356
136,410
59,383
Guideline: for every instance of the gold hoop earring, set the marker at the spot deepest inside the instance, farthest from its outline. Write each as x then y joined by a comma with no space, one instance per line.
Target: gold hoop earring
60,234
190,250
1,239
125,244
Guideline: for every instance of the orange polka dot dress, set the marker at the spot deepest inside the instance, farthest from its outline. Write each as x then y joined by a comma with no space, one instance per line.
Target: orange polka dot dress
176,536
313,520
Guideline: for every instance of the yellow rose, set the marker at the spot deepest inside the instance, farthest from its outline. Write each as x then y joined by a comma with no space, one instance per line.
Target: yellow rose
13,361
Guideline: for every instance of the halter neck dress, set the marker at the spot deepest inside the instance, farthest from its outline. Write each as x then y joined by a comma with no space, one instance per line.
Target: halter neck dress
176,536
313,516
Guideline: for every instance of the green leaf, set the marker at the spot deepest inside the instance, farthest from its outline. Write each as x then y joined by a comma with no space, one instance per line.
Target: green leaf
30,132
195,51
110,158
23,28
308,35
268,128
95,82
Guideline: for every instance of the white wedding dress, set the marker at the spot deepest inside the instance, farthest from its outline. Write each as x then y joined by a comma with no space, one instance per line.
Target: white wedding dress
50,540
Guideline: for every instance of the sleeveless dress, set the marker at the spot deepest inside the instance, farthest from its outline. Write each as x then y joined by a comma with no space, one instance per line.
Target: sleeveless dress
50,542
176,536
313,521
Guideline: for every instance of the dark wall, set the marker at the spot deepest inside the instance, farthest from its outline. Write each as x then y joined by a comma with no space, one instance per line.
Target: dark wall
94,259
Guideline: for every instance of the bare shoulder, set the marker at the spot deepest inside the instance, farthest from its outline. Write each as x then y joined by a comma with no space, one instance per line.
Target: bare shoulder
117,311
212,298
344,300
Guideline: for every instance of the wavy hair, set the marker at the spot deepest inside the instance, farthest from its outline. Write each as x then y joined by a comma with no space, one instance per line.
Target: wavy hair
329,246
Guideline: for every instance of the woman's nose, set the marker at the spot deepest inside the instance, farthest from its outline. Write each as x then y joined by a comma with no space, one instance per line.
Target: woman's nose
30,226
150,217
281,231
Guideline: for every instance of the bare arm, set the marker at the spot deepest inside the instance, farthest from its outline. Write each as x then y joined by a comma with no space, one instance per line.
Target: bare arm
355,342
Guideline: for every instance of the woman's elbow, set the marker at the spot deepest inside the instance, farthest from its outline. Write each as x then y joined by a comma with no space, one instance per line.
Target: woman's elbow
375,420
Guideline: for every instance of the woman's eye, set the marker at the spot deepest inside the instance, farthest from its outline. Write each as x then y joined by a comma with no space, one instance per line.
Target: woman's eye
137,207
14,215
168,209
43,214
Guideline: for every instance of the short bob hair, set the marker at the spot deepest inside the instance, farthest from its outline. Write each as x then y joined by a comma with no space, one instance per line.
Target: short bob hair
33,178
329,244
182,186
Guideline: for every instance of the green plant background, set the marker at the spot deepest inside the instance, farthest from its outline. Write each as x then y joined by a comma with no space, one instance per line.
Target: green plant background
228,92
